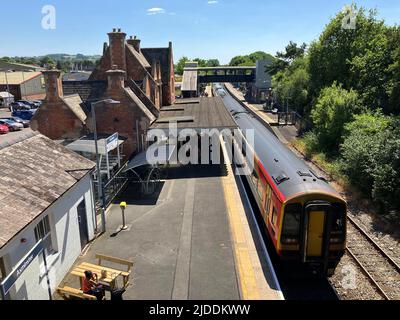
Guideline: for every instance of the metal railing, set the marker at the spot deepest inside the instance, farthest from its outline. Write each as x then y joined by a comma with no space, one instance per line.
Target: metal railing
111,188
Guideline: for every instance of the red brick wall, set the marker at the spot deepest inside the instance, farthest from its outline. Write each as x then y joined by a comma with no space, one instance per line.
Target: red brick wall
122,118
56,121
104,65
134,69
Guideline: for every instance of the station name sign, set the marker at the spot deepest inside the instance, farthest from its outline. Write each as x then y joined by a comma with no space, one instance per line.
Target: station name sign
9,281
112,142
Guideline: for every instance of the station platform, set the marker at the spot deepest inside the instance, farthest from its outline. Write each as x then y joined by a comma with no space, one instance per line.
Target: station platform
186,242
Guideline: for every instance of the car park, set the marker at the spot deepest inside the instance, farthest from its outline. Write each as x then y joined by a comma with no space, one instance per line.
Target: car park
12,125
25,123
24,114
4,129
19,106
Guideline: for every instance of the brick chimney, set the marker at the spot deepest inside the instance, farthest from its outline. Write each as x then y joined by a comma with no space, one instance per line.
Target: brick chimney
53,83
115,79
117,48
134,42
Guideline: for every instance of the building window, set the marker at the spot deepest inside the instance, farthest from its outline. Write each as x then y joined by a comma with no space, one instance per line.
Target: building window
43,232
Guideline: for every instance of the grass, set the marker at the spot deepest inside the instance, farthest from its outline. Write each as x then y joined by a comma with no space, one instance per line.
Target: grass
308,147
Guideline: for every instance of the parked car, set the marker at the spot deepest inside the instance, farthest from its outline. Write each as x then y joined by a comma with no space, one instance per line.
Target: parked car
24,114
4,129
19,106
38,103
25,123
12,125
34,104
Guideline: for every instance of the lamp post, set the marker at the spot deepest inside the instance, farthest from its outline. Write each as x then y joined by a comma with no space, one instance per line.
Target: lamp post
99,182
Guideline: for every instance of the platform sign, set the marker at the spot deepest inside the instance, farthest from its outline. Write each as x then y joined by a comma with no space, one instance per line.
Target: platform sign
112,142
9,281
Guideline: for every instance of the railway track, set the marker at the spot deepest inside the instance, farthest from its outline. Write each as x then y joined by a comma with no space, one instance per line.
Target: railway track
380,269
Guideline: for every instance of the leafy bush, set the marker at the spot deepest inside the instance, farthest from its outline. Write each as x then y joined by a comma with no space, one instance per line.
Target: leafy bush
371,157
334,108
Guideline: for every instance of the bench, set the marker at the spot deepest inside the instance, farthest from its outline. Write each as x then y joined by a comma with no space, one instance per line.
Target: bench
127,263
68,292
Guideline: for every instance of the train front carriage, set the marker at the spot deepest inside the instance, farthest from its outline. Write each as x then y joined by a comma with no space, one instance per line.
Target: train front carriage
313,231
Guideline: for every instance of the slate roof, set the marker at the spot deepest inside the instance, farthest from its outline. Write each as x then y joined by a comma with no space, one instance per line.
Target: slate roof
74,103
87,90
35,172
140,104
139,56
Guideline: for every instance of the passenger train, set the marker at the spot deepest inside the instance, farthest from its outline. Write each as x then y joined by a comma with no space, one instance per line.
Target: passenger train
304,216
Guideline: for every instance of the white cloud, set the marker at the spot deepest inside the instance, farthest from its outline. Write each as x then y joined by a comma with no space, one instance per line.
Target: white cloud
152,11
212,2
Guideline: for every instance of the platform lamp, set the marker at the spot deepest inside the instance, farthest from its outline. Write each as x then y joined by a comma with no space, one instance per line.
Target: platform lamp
100,190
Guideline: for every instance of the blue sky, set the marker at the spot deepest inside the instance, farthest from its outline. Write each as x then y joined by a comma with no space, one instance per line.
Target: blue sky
198,28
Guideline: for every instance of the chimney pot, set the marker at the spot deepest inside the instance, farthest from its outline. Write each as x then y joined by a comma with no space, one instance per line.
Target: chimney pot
54,89
117,49
115,79
135,43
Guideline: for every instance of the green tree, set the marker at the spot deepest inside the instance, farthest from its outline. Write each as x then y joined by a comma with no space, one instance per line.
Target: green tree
334,108
181,65
371,157
212,63
293,83
241,61
362,59
47,62
286,58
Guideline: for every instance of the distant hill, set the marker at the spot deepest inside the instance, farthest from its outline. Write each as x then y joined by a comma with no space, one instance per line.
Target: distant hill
75,57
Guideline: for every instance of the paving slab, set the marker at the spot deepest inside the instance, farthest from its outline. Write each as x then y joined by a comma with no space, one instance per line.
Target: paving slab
179,240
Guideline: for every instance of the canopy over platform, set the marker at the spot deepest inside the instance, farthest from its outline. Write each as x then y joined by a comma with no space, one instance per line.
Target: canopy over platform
197,114
160,155
86,144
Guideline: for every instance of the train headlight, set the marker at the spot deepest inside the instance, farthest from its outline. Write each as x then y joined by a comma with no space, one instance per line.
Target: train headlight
290,241
336,240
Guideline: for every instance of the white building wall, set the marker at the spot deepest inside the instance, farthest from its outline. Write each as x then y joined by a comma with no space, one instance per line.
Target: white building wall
64,226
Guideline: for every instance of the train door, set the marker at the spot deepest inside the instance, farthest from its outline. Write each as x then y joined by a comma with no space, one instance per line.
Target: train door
316,216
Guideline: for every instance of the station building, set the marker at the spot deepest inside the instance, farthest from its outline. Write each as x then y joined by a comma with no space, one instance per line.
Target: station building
140,79
47,214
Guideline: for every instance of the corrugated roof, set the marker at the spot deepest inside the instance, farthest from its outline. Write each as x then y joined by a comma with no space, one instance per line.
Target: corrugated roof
35,172
189,81
14,78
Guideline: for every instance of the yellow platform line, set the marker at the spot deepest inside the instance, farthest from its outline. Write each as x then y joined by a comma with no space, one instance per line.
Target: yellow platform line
246,276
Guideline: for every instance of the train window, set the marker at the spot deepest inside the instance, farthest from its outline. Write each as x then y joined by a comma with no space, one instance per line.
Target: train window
254,178
261,187
291,224
268,199
274,216
338,222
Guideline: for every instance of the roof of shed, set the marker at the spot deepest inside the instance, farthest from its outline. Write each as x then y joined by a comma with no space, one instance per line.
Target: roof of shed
35,172
18,77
